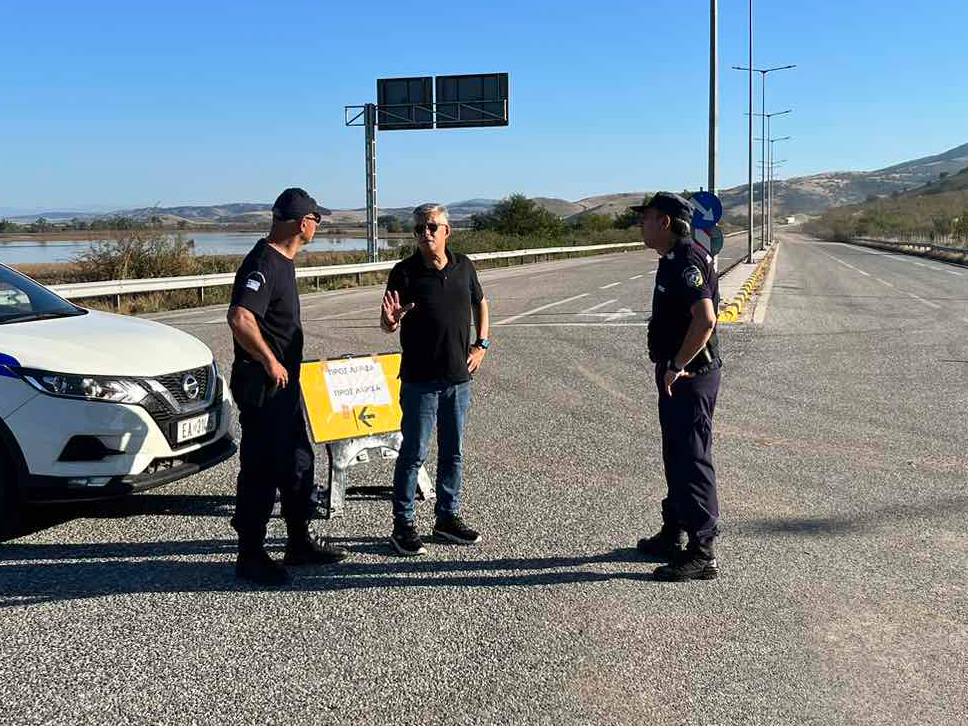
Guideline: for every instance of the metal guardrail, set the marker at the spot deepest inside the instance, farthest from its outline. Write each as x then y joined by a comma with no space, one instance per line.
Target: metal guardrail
116,288
923,248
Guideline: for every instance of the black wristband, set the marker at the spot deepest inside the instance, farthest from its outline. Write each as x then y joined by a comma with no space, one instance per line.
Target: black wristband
671,365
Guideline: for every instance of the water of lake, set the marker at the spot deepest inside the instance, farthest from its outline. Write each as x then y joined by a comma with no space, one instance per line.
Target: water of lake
206,243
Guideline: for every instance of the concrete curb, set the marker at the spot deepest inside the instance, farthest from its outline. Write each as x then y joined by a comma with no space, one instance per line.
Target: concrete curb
731,311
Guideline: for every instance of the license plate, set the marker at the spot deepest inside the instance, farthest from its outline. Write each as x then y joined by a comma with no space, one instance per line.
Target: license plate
192,428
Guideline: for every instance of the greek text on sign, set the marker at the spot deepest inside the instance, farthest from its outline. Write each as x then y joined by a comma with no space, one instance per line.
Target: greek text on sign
355,382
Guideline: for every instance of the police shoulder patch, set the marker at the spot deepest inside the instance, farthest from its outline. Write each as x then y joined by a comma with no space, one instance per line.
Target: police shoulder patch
254,281
693,277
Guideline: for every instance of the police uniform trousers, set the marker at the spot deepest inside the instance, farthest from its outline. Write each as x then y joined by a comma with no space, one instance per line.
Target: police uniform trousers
275,453
686,419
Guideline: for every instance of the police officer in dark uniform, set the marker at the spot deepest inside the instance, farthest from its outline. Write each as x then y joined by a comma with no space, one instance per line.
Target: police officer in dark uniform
685,349
275,451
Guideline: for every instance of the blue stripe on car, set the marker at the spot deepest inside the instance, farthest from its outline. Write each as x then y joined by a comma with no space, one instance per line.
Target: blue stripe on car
7,360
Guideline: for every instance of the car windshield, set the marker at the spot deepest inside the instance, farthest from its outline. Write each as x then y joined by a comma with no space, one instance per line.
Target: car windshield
22,299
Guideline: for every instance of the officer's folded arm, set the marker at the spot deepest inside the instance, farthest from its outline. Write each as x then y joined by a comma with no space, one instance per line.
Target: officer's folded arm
699,331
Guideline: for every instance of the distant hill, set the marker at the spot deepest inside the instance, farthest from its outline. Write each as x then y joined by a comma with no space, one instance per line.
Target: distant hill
937,210
818,192
809,195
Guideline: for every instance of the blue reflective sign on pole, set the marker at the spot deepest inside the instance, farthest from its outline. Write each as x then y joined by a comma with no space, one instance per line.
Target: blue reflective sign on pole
707,210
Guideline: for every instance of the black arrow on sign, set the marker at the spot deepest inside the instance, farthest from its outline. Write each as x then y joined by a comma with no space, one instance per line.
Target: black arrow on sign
365,418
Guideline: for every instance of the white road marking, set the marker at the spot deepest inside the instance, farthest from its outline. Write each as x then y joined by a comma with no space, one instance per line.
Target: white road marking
596,307
841,262
539,309
763,304
573,325
635,278
605,287
898,257
922,300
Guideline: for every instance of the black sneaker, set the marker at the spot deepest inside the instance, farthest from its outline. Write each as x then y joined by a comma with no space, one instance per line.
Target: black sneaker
309,551
666,545
693,564
455,530
262,570
406,541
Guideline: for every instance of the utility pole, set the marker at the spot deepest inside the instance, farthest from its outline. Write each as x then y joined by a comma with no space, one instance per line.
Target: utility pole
763,72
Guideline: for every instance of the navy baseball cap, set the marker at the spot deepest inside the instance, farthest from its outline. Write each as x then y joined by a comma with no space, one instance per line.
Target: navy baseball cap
295,203
674,205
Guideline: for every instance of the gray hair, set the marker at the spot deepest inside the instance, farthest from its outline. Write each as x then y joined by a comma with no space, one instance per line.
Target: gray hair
428,210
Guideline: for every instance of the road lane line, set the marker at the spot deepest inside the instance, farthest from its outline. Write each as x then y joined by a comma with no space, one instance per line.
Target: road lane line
635,278
596,307
922,300
841,262
605,287
883,282
573,325
539,309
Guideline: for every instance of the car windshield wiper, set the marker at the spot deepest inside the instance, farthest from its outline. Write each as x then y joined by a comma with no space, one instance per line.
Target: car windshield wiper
21,317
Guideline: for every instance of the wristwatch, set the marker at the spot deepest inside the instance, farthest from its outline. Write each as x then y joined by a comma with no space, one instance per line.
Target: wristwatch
482,343
671,365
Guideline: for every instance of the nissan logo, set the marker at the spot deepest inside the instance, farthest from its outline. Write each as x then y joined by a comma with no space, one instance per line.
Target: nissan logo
190,387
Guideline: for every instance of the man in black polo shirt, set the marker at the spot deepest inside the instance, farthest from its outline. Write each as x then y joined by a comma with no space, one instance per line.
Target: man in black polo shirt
430,297
275,451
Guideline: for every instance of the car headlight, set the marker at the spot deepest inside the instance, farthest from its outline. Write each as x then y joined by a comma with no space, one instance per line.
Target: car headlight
91,388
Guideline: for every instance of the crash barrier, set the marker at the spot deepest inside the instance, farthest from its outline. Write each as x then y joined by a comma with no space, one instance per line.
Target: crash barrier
352,404
117,288
958,255
731,311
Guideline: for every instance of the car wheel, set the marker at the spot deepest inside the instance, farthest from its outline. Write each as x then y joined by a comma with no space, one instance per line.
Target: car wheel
9,499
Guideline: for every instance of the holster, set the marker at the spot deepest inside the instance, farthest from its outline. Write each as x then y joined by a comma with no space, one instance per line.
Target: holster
249,383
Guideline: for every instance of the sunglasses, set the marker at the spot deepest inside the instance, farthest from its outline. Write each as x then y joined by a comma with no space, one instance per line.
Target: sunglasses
315,217
418,229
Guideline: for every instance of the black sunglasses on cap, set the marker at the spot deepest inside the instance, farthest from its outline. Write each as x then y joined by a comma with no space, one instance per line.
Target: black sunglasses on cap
418,229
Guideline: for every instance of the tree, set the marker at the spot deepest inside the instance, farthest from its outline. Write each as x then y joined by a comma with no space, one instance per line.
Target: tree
390,223
519,215
7,226
593,222
626,219
943,175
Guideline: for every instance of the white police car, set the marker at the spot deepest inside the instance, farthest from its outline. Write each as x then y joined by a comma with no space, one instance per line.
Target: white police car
95,405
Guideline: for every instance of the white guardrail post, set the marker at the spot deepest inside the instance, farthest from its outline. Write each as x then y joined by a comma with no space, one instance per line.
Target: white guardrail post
117,288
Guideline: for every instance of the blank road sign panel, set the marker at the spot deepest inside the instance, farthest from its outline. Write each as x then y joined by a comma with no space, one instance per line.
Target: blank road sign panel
472,100
405,103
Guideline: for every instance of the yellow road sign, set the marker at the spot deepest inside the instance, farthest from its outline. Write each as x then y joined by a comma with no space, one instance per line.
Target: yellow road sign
345,398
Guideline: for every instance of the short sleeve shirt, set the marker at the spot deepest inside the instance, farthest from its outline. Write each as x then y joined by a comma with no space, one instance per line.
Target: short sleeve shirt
435,335
685,276
265,285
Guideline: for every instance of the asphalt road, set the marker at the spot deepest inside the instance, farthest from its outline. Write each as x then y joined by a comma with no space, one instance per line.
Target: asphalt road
842,599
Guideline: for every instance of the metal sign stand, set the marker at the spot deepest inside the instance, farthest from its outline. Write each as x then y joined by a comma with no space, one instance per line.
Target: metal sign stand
345,454
401,115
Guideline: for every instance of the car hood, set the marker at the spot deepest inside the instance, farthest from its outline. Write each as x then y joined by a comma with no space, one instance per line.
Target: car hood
102,344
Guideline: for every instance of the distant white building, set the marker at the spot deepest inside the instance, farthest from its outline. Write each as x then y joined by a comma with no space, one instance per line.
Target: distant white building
791,220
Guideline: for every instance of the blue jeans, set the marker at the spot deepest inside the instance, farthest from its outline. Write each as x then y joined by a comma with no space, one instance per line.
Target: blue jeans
423,405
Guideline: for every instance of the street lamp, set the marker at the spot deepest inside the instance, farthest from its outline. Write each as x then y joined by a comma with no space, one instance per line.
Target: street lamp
762,72
769,207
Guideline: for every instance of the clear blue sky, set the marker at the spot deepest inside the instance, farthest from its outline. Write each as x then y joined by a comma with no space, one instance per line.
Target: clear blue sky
122,103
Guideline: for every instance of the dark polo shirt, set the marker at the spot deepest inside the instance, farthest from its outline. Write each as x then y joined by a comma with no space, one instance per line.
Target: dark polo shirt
435,335
265,285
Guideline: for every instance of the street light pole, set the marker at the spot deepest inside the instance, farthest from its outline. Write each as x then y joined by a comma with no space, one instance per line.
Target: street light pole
764,160
763,72
713,95
773,165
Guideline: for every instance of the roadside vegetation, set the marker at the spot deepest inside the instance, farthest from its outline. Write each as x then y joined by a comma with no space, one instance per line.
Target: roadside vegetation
516,223
936,213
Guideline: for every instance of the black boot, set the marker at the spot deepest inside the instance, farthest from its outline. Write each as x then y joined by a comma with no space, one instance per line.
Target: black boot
261,569
698,562
666,545
302,548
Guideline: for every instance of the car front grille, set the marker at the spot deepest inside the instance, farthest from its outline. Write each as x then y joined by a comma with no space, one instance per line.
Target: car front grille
174,384
167,419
